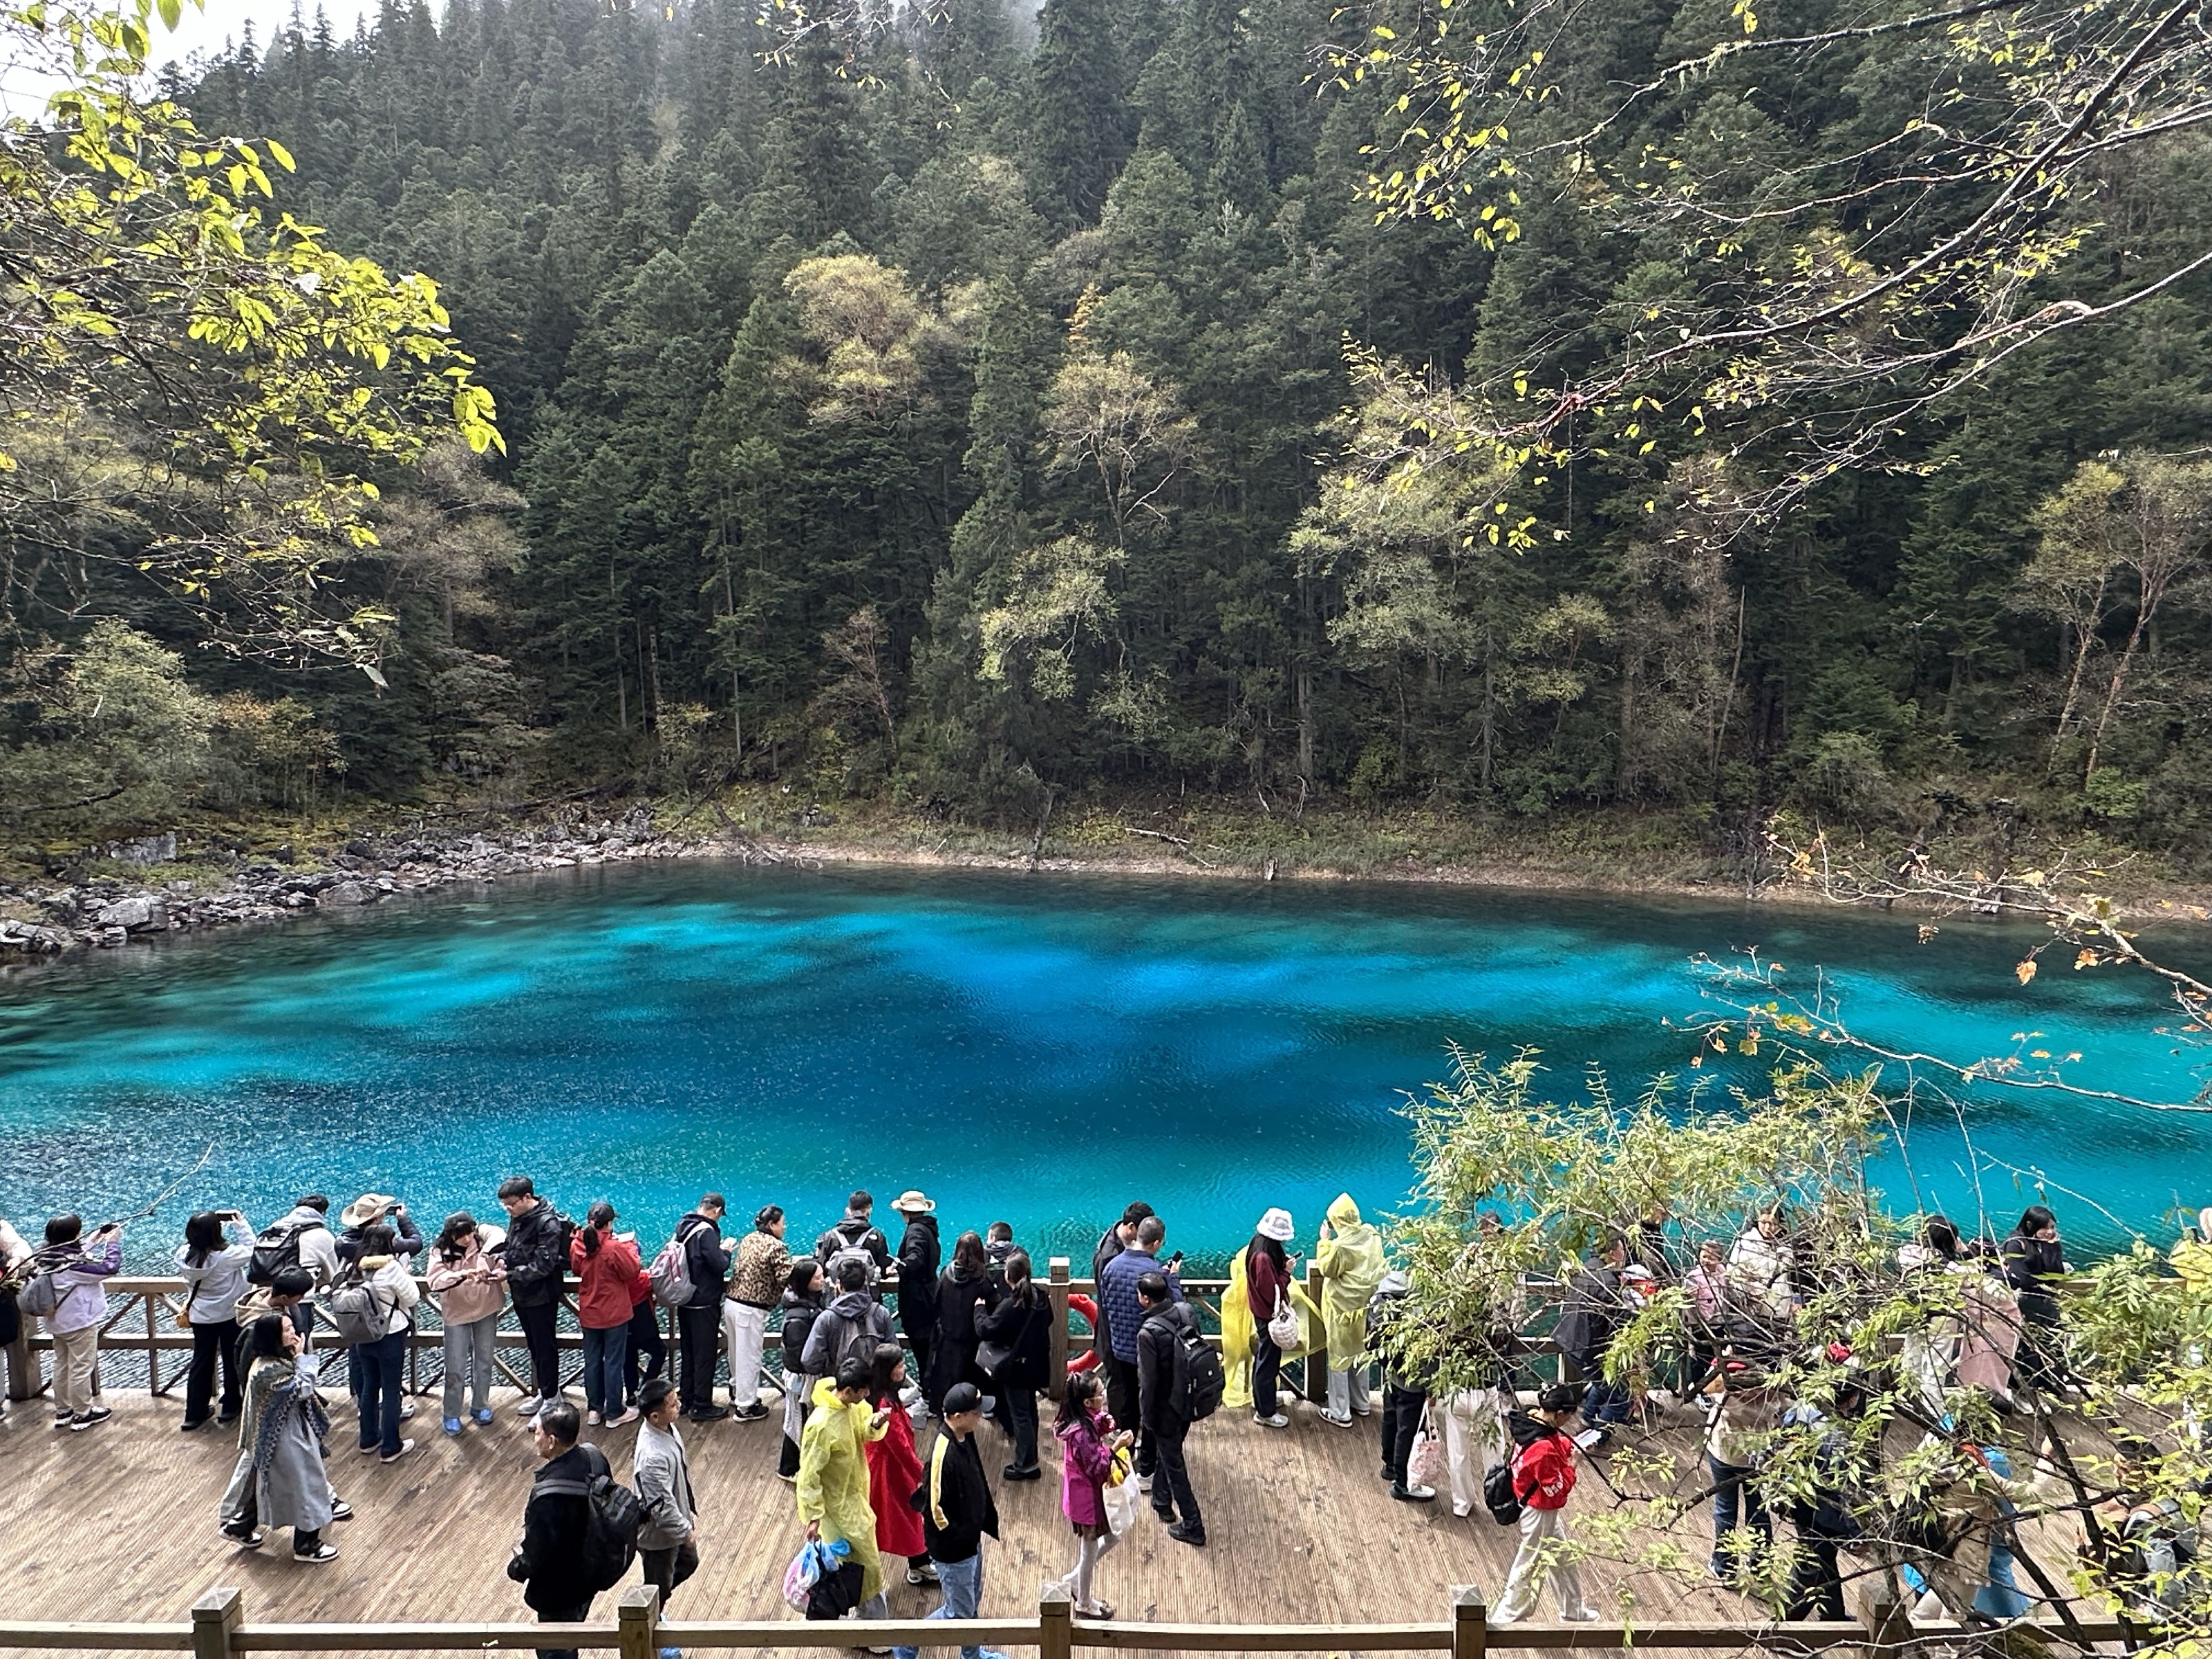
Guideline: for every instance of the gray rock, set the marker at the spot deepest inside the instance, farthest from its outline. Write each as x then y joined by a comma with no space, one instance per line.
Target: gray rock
133,914
345,893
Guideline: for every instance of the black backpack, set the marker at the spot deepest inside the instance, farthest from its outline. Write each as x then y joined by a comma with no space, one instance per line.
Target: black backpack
278,1247
612,1514
1198,1371
1498,1496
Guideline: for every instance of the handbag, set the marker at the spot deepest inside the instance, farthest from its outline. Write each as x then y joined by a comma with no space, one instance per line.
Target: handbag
990,1356
1424,1464
1283,1326
1121,1506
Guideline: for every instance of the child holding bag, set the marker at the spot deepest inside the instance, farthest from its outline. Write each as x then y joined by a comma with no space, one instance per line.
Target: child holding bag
1094,1460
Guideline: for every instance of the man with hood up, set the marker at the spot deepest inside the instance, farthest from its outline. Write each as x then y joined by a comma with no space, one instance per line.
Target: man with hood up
1349,1259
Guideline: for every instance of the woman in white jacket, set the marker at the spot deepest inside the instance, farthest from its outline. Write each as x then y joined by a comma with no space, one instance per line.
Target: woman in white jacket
215,1277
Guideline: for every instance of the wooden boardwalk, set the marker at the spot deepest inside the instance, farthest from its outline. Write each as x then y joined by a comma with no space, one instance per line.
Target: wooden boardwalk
118,1524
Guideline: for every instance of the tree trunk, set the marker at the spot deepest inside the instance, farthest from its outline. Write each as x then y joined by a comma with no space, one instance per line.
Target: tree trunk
1632,659
2085,641
2144,613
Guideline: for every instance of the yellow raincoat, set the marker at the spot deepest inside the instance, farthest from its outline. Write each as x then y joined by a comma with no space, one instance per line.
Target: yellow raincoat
833,1477
1237,1336
1350,1262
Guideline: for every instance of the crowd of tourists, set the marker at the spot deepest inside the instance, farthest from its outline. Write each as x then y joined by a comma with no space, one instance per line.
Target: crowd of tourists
879,1339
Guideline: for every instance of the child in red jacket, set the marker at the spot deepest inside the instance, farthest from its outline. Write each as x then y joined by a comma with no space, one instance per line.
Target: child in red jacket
1543,1479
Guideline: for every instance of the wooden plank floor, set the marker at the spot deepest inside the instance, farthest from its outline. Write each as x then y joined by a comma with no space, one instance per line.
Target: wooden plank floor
118,1523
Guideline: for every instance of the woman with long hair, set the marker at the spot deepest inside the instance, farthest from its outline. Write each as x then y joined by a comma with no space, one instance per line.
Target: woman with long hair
2034,1261
1090,1448
384,1359
1268,1281
965,1292
607,1263
1019,1333
895,1470
802,1301
469,1279
215,1277
283,1433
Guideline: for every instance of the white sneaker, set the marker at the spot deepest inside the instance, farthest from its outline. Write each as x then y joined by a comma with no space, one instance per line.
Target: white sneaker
1334,1421
1580,1615
529,1406
1278,1421
1144,1483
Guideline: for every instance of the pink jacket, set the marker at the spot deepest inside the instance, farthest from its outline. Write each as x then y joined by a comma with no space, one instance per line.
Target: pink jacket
1086,1455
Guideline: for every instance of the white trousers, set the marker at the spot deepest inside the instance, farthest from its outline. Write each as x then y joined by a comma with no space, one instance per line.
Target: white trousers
1534,1563
744,1332
1475,1443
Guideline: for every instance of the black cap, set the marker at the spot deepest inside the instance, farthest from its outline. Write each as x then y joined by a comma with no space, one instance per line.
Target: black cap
962,1397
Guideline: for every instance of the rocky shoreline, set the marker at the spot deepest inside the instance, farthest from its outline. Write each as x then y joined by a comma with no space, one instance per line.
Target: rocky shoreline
108,913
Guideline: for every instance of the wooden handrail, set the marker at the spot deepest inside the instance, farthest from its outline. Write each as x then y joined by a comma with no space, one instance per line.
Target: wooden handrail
217,1629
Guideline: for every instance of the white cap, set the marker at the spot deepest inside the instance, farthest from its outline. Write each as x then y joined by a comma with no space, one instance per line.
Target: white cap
1276,1225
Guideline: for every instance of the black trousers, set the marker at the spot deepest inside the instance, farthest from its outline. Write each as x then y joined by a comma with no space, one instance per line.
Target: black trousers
1020,1404
1121,1401
699,1329
1816,1584
1266,1368
1401,1421
212,1344
646,1351
1171,1492
540,1323
669,1568
575,1615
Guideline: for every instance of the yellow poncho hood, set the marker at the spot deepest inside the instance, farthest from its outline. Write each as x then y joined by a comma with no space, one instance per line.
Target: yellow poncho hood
1350,1262
833,1477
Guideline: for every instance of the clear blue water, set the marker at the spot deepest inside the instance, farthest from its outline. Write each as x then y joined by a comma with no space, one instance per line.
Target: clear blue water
1039,1050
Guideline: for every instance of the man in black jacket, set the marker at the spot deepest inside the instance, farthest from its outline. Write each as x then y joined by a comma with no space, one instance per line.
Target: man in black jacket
857,1232
536,1252
957,1512
549,1562
1160,1402
699,1321
919,1257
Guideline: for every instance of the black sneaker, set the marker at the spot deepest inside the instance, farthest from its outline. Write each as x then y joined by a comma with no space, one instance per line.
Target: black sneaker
245,1537
751,1413
707,1414
1010,1473
321,1555
1183,1532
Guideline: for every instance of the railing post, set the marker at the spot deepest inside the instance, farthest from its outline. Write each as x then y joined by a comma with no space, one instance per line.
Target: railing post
26,1380
1470,1622
1056,1287
150,1300
1055,1624
214,1616
1316,1389
639,1621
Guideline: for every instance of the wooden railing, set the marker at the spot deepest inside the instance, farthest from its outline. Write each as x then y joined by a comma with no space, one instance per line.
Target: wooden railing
142,1323
217,1629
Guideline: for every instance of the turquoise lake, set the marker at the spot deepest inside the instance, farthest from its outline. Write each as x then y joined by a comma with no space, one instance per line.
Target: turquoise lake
1030,1048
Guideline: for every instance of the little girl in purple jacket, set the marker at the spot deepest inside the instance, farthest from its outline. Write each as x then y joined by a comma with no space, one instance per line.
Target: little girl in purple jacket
1088,1444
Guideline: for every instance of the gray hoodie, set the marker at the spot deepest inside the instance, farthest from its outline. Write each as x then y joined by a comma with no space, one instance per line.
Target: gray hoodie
849,1329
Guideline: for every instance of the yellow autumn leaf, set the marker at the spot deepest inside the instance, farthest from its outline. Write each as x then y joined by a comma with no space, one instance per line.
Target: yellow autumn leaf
2025,971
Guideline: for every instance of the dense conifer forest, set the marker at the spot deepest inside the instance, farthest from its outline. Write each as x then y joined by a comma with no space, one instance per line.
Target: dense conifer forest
961,406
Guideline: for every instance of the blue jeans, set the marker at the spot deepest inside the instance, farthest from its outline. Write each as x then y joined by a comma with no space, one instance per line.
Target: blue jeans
1605,1403
961,1584
1736,1502
606,1356
383,1365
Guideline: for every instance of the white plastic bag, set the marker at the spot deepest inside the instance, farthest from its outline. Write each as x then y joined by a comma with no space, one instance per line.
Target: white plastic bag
1121,1503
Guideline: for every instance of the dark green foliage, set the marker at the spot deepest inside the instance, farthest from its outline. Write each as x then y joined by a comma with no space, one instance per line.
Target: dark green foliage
1084,380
